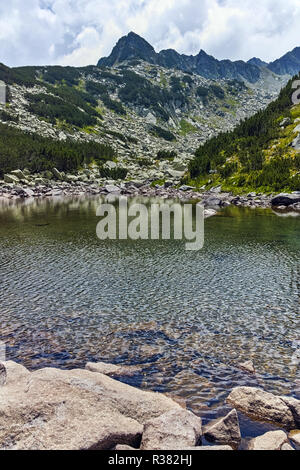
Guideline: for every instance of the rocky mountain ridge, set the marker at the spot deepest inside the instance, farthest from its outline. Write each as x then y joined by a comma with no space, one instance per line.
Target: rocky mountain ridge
134,47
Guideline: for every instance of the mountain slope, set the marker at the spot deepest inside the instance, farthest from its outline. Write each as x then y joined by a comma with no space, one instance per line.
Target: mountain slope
261,153
148,119
288,64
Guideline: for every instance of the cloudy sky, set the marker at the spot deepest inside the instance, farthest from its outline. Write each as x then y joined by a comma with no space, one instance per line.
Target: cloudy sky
79,32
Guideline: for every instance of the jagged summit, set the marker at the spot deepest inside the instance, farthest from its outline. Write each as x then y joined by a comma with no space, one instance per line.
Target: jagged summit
129,47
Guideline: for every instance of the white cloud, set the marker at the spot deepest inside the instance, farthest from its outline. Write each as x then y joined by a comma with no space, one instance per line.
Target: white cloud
79,32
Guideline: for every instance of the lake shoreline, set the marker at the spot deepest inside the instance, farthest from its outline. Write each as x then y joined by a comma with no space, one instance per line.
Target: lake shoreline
214,198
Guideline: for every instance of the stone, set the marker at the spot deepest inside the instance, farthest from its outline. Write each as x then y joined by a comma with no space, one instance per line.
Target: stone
51,409
110,188
273,440
287,447
296,143
19,174
285,122
297,129
113,370
173,430
40,181
186,188
122,447
57,174
247,366
224,430
294,406
285,199
2,375
71,178
14,372
212,201
110,165
48,174
294,436
209,213
28,192
11,179
176,174
150,118
209,448
261,405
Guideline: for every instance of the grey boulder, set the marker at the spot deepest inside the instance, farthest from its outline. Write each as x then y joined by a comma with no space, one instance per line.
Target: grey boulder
224,430
52,409
176,429
262,405
273,440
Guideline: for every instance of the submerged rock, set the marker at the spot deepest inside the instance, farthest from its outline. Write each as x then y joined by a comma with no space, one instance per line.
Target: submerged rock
176,429
247,366
113,370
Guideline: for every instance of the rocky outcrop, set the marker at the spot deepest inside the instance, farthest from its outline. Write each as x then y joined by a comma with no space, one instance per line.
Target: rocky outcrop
263,406
77,409
224,430
176,429
273,440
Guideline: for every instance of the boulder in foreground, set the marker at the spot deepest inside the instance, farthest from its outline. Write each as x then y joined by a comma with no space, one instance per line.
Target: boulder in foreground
176,429
273,440
52,409
224,430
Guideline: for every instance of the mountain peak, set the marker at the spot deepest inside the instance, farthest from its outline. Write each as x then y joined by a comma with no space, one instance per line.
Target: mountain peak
258,62
129,47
